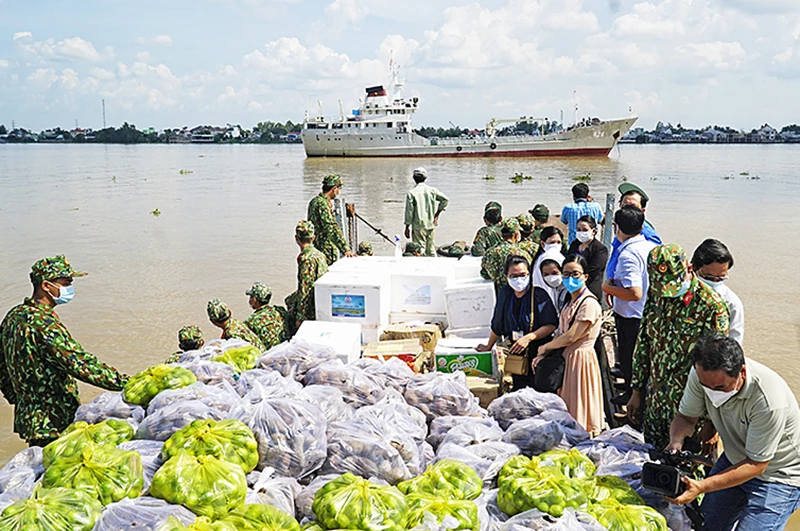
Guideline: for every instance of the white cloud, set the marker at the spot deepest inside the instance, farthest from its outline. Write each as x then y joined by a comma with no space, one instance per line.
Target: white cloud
715,56
42,78
158,40
4,63
72,49
348,11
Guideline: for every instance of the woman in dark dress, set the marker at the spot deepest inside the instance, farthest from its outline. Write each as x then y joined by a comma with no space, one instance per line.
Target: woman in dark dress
593,251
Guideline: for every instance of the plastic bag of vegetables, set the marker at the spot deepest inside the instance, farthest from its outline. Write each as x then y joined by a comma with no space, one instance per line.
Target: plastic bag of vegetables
76,436
445,479
278,492
145,514
464,511
305,498
201,523
573,433
56,509
295,358
229,440
210,372
615,516
550,493
260,517
161,425
571,520
330,401
110,406
534,436
291,434
519,466
601,488
280,385
486,458
440,426
358,388
394,371
150,451
205,485
473,433
523,404
397,417
221,397
142,387
439,394
102,471
572,463
240,358
350,502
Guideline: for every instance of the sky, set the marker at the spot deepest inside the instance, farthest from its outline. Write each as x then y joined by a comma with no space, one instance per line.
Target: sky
181,63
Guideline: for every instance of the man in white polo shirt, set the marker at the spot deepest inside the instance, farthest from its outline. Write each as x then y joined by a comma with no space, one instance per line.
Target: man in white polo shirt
711,261
755,484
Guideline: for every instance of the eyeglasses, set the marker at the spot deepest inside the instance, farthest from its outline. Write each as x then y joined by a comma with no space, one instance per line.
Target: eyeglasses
574,274
712,278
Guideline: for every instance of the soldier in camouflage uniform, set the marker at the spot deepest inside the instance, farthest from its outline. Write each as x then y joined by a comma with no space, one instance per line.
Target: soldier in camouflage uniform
412,249
489,235
220,316
494,261
329,238
526,225
311,265
541,215
678,311
39,359
266,321
365,249
190,337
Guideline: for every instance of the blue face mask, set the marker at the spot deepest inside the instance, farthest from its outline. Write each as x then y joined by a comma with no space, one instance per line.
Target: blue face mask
573,284
684,288
65,294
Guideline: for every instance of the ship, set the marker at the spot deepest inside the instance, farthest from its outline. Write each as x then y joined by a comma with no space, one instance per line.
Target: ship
381,127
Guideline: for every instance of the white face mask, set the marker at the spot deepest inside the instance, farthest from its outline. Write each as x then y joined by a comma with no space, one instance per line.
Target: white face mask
718,398
554,281
711,284
519,283
584,236
552,247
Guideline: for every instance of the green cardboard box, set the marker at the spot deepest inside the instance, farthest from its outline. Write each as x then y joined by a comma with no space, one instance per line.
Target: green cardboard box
471,362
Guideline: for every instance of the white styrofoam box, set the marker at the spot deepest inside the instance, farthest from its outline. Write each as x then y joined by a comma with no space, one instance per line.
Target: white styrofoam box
343,338
419,287
467,268
362,263
419,318
371,333
353,297
470,304
482,333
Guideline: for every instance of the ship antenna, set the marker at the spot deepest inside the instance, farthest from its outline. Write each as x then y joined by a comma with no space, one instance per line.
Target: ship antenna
575,100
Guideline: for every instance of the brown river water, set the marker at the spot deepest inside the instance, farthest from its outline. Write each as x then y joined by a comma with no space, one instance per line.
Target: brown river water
228,220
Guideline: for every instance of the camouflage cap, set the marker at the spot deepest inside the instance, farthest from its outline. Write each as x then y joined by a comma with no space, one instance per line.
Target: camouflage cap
260,292
364,249
332,179
52,268
525,223
667,267
509,226
218,311
304,229
540,213
190,333
413,248
493,205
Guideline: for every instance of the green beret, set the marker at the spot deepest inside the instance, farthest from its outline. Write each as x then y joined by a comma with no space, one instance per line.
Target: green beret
190,333
509,226
540,213
332,180
492,205
364,249
525,223
218,311
53,268
304,229
666,268
626,188
260,292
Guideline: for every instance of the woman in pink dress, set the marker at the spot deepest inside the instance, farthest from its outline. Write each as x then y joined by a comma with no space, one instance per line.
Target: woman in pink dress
579,326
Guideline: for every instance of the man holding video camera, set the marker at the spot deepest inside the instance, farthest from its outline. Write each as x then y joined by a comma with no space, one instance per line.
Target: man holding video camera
756,482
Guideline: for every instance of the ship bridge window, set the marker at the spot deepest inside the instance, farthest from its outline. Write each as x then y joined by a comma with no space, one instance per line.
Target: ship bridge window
337,126
389,124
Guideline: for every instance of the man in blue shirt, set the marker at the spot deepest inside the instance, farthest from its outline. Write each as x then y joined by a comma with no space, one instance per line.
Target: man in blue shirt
634,196
580,206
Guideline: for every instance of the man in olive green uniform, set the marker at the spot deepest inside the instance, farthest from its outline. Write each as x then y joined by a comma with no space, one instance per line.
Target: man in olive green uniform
494,262
190,337
365,249
424,204
541,215
678,311
39,359
526,225
220,316
311,265
266,321
330,239
489,235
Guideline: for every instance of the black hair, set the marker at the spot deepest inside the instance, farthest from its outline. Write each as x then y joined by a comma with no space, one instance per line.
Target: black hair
629,220
709,252
718,353
546,233
588,219
328,187
580,191
549,261
516,259
642,199
577,259
191,344
419,178
493,216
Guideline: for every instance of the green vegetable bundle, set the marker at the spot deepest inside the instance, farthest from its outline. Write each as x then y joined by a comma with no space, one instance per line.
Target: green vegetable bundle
76,436
201,524
141,388
102,471
572,463
350,502
550,493
240,358
52,510
260,517
447,479
601,488
615,516
205,485
519,466
464,511
229,440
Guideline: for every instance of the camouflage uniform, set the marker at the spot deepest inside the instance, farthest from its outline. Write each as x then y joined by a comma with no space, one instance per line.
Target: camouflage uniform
329,238
267,322
39,362
412,249
364,249
190,337
494,262
220,314
541,214
670,327
526,242
489,235
311,265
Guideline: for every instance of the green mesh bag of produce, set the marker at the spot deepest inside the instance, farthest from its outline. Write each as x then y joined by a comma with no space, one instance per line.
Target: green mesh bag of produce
52,510
205,485
447,479
141,388
76,436
350,502
550,493
101,470
572,463
464,511
240,358
615,516
201,524
519,466
229,440
260,517
312,526
601,488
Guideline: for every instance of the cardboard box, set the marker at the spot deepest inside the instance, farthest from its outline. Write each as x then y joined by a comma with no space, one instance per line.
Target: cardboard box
427,334
455,354
485,389
407,350
439,319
